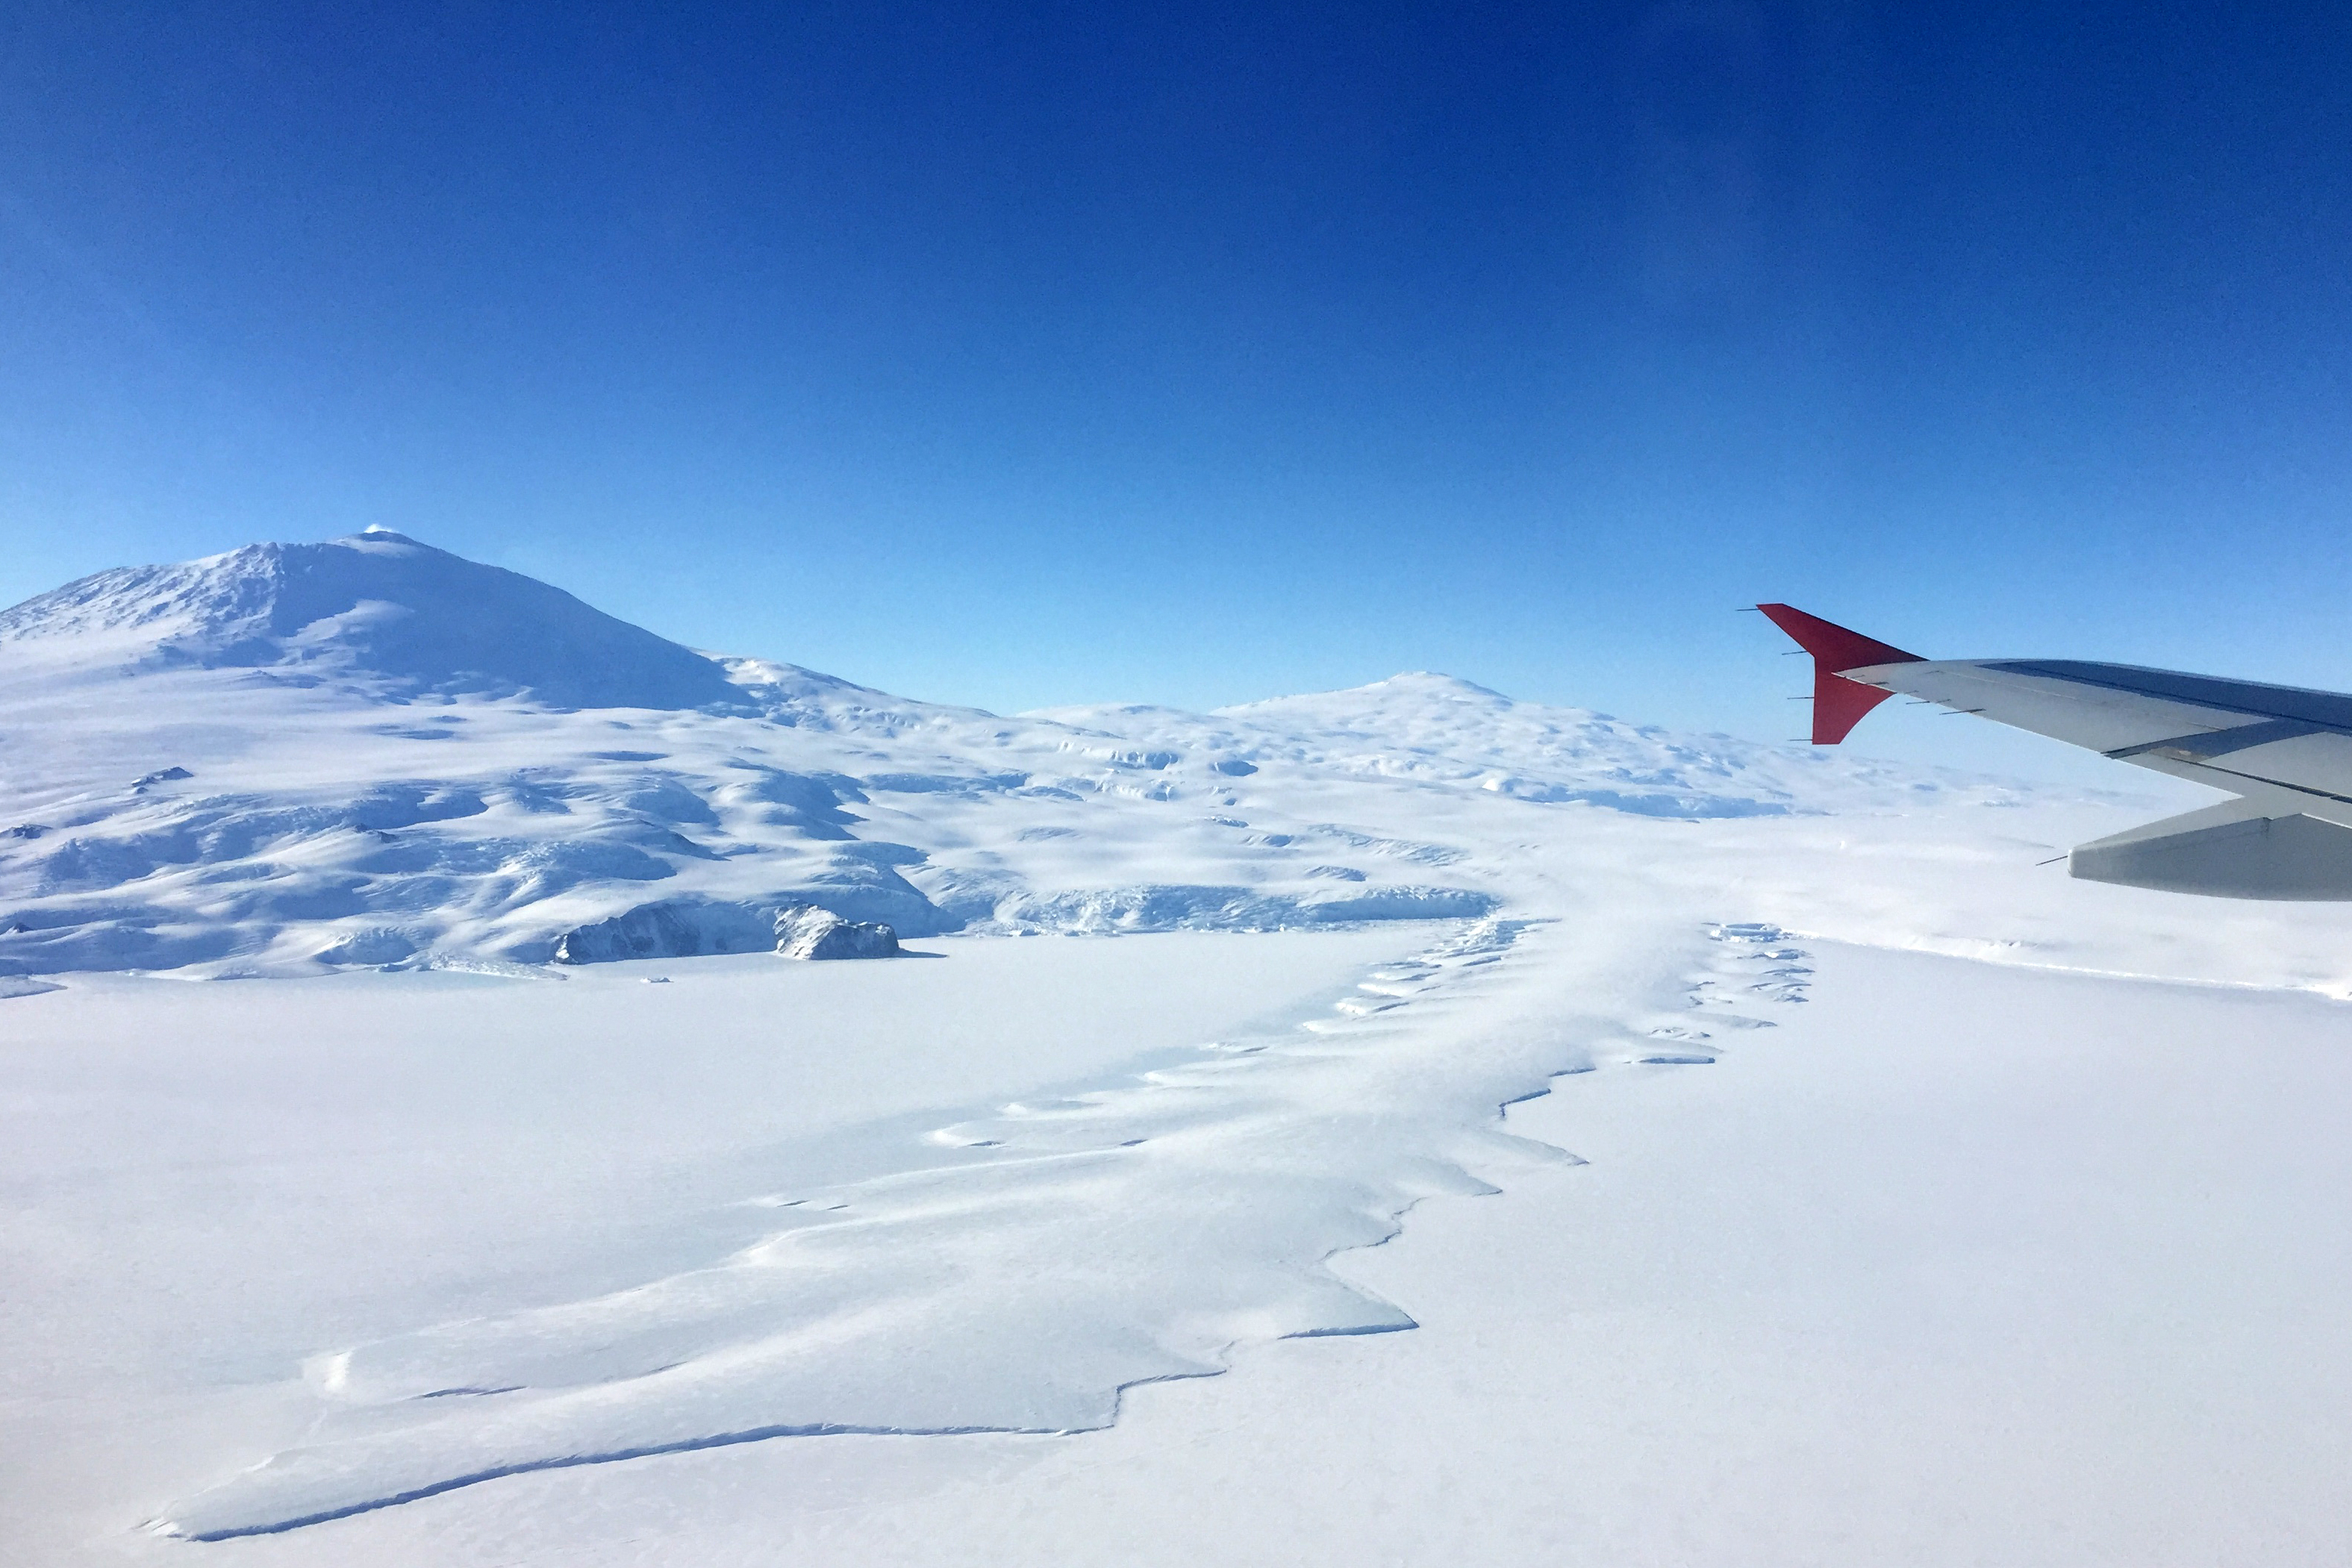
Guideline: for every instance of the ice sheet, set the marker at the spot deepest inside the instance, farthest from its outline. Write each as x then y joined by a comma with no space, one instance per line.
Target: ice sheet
468,1259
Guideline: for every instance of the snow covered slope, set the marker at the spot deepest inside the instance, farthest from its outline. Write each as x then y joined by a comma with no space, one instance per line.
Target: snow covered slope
372,752
378,610
303,1269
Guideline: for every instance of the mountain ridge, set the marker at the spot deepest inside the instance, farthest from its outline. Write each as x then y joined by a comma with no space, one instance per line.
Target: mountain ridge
288,759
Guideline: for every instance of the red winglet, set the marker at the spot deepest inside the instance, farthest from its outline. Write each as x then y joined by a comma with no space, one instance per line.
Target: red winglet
1838,703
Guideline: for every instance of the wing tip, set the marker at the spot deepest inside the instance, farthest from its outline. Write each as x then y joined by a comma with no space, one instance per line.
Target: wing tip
1838,648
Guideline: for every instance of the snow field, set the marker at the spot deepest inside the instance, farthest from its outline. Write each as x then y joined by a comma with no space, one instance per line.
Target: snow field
496,1259
206,1184
1959,1263
1079,1246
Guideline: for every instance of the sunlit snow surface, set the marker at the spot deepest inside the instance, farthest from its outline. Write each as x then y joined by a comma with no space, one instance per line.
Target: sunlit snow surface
363,753
319,762
1016,1275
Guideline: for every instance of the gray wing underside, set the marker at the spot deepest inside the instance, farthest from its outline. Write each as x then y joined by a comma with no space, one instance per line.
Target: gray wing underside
2284,751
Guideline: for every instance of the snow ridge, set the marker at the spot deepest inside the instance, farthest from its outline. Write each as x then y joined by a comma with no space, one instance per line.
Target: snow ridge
850,1308
847,1309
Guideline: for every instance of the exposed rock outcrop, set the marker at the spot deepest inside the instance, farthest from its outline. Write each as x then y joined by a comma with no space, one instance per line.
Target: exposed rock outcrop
805,931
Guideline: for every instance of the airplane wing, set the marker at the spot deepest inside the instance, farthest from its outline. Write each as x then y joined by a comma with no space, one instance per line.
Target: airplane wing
2285,753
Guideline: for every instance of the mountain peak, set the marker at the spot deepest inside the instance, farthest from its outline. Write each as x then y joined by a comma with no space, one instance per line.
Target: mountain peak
1431,683
1409,688
381,539
377,607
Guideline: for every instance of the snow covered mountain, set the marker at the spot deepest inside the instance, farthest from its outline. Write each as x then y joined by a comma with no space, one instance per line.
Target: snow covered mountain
372,752
378,609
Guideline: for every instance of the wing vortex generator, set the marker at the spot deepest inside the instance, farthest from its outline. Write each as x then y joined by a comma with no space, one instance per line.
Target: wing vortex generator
2285,753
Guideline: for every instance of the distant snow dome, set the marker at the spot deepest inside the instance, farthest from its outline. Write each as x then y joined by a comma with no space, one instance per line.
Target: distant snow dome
377,607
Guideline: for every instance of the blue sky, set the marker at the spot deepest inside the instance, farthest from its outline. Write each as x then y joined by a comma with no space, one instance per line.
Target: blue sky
1018,355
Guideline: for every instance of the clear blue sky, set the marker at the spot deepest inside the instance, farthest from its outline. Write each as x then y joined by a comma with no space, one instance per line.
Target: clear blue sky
1018,355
